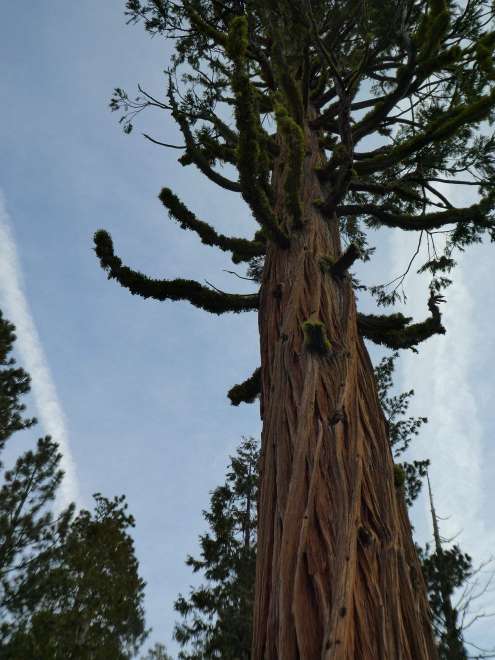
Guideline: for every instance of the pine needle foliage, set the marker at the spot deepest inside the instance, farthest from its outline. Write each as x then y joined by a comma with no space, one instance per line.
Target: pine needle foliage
217,615
69,584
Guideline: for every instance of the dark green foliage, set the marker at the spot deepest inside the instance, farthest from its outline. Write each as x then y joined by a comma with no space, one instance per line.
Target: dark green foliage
14,382
294,136
216,616
446,570
247,391
69,586
401,429
315,337
399,477
82,597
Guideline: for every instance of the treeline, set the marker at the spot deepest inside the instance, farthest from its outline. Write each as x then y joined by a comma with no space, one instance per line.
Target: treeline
69,581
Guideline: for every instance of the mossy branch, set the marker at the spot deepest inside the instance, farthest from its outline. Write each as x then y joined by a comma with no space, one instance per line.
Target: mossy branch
396,330
205,28
138,284
433,30
475,214
253,156
247,391
241,248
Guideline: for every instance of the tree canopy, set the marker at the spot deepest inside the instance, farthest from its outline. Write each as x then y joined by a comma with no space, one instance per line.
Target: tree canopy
399,93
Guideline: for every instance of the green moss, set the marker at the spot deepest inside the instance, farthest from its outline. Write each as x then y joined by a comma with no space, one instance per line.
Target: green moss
238,38
484,54
315,337
294,136
327,263
139,284
253,157
242,249
399,476
396,330
204,27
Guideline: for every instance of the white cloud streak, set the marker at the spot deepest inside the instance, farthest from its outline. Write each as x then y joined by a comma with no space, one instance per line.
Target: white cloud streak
32,357
454,440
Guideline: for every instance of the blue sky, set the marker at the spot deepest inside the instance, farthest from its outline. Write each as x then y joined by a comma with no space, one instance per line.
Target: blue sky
142,385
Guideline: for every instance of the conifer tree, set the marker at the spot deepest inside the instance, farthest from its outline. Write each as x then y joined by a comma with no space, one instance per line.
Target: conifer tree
69,585
217,616
338,118
157,652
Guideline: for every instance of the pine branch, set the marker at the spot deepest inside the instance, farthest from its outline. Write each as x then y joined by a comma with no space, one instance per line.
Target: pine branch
241,248
139,284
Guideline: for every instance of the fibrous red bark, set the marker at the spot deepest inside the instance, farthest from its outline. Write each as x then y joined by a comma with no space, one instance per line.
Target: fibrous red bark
337,575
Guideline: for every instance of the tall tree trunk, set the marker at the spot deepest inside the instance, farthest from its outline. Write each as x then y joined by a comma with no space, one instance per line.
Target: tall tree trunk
337,572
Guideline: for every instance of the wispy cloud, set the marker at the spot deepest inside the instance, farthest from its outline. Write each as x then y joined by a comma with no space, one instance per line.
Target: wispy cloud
16,309
454,440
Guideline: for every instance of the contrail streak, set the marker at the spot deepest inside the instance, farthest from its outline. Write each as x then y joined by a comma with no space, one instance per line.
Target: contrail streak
16,309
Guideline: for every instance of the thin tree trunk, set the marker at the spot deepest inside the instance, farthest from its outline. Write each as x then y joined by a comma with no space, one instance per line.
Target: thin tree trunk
337,571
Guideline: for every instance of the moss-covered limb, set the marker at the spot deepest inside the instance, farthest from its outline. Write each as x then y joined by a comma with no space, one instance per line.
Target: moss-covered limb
440,129
432,30
339,267
475,214
247,391
253,156
294,136
437,63
204,27
241,248
193,152
179,289
485,55
315,337
287,82
396,330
